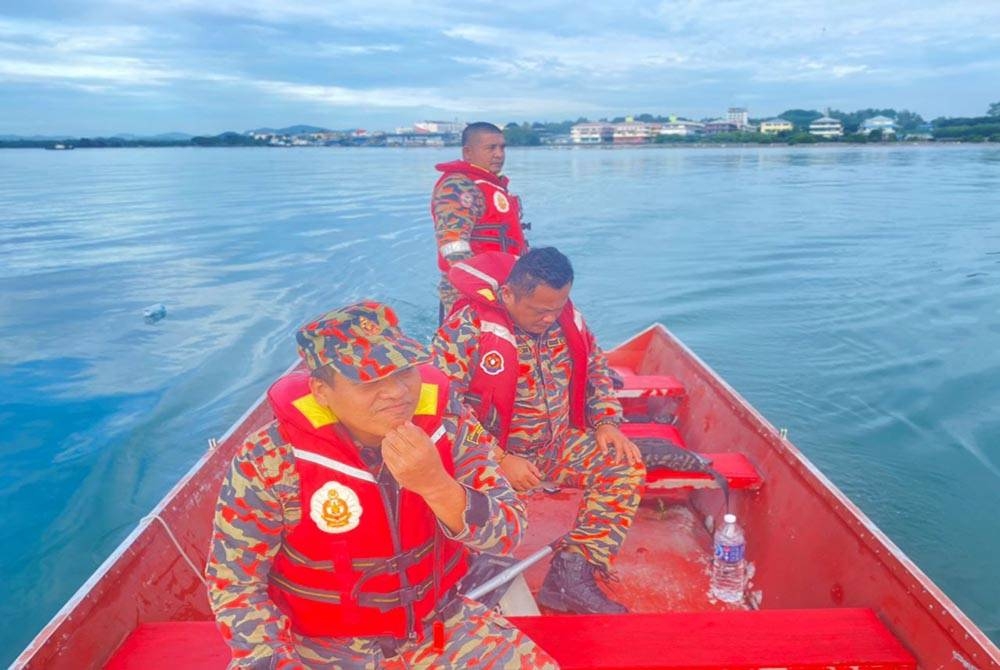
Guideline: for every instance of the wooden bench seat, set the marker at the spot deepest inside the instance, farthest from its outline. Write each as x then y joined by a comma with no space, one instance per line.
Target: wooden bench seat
819,639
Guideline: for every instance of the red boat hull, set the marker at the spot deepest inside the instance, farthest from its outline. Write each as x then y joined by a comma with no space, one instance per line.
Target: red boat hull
812,548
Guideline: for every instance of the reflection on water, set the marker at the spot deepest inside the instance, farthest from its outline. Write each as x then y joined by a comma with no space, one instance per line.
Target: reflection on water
852,295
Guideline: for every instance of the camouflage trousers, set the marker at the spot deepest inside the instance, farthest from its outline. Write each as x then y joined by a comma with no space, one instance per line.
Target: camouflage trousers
611,492
447,296
474,637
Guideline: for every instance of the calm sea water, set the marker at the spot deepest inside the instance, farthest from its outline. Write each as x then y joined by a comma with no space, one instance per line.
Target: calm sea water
851,295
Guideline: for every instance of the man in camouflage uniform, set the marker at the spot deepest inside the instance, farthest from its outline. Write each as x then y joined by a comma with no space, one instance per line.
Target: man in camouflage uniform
289,570
526,362
472,209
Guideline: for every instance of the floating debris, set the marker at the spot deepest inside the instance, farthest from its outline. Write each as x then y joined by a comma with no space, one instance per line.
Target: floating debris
154,313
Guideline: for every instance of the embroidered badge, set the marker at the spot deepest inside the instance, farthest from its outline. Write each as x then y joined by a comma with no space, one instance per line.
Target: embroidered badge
466,200
500,202
335,508
368,326
492,362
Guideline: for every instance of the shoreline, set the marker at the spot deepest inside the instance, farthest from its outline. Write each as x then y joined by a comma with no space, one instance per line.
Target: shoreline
585,147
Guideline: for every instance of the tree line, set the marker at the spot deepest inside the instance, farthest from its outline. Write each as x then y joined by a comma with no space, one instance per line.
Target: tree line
973,129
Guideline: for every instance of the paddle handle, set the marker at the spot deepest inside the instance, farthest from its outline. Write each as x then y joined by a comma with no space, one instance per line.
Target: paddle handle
508,574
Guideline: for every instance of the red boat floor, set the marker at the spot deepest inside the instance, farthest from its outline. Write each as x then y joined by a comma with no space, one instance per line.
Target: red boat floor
662,578
663,566
824,639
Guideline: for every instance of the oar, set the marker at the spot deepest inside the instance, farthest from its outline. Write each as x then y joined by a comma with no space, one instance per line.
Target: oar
510,573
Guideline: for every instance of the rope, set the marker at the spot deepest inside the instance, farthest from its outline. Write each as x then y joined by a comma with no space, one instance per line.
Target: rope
197,573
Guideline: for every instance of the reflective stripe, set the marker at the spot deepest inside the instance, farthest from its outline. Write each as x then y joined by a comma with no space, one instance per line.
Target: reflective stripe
342,468
438,434
499,330
482,276
459,247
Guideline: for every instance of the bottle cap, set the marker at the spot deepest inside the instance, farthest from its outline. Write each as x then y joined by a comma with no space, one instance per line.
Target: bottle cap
729,518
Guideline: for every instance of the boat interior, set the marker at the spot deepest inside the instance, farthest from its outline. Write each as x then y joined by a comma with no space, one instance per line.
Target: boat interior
826,590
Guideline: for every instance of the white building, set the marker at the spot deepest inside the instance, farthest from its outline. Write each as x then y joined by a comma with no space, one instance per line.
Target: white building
682,128
738,116
825,126
439,127
596,132
883,123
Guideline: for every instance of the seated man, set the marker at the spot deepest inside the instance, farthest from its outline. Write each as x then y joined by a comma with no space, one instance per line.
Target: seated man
344,526
525,361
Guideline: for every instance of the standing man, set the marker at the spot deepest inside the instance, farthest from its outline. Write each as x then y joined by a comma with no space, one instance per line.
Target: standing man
473,211
343,527
530,368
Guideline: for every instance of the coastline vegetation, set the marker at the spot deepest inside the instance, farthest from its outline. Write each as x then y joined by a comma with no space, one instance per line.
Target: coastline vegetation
910,126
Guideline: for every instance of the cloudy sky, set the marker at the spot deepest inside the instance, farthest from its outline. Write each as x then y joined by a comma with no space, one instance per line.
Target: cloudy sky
90,67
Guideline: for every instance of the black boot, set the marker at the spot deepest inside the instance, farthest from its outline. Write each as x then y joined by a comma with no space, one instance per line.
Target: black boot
570,587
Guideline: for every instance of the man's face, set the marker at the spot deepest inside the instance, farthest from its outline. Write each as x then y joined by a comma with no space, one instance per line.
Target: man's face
486,150
535,312
370,410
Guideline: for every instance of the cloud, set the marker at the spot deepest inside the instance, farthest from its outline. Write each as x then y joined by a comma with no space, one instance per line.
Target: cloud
518,59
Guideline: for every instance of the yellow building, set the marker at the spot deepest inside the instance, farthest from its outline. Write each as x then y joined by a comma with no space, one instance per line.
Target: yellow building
776,126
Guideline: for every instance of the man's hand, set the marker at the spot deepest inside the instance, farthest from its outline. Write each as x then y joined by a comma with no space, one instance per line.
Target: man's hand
414,460
609,436
520,472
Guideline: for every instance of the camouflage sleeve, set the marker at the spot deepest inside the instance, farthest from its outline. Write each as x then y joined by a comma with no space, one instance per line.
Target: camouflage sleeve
456,204
601,400
455,348
253,511
494,515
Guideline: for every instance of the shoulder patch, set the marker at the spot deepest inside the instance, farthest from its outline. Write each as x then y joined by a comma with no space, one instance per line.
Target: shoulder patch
492,362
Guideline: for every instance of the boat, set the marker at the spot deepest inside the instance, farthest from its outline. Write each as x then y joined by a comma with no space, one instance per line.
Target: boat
829,589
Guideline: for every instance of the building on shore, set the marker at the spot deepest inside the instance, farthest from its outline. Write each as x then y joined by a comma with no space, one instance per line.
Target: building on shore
592,132
773,126
634,132
439,127
883,123
739,116
682,128
825,126
718,126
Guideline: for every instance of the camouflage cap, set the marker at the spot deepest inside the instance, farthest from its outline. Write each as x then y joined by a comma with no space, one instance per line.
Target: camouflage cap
363,342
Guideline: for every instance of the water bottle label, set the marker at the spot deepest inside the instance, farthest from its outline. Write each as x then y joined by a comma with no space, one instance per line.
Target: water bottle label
729,553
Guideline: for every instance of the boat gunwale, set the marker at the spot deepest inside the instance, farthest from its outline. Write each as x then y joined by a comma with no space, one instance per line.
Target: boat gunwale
898,564
65,613
950,620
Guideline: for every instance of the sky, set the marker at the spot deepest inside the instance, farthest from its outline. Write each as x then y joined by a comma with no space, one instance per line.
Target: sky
101,67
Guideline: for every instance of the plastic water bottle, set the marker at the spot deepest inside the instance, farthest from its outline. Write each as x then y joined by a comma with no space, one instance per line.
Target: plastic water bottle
154,313
729,565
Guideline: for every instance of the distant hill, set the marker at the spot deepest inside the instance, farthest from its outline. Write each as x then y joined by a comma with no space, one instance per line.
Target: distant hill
35,138
291,130
162,137
172,137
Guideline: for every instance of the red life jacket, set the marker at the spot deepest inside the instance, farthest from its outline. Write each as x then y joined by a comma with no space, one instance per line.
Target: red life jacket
499,228
493,386
347,569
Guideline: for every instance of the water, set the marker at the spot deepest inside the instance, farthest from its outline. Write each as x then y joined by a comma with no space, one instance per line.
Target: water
851,295
728,580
